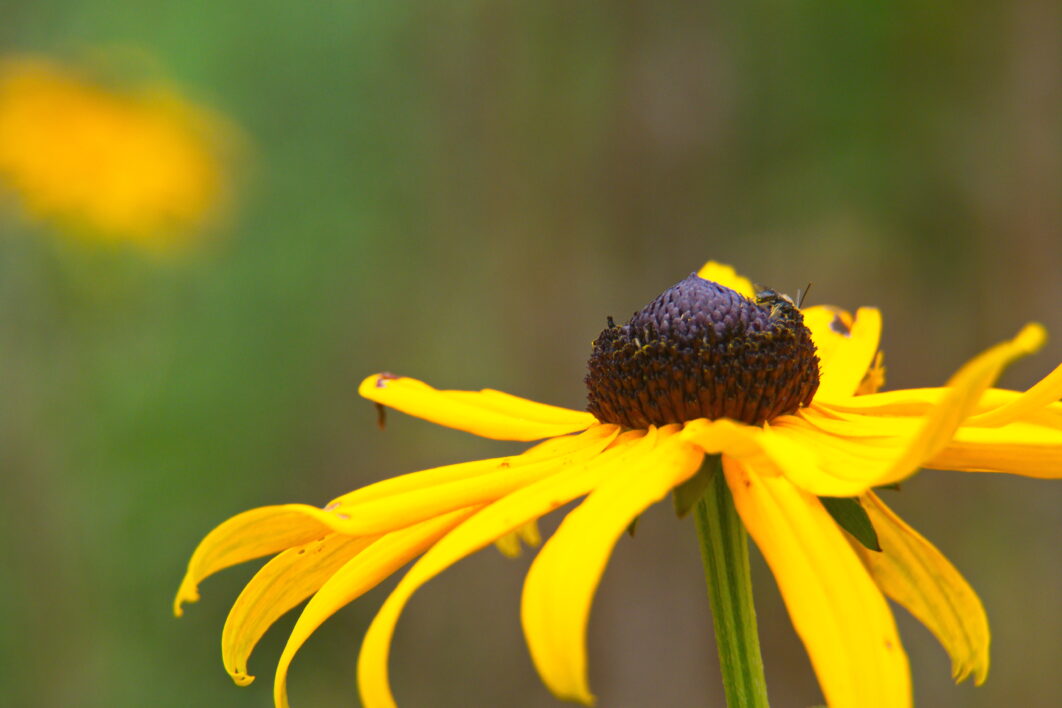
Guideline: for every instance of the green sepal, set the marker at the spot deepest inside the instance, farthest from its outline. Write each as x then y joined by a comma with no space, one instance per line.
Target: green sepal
687,494
894,487
633,525
852,517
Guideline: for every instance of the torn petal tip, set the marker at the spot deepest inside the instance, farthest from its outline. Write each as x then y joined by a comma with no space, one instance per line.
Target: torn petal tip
184,595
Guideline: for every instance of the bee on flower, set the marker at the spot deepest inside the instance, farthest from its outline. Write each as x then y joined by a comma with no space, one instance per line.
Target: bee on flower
780,403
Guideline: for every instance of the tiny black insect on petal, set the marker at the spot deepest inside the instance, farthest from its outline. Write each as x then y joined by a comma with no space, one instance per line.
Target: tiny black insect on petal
702,350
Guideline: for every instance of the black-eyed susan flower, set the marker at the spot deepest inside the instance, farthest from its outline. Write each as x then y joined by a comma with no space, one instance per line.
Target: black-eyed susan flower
786,398
139,165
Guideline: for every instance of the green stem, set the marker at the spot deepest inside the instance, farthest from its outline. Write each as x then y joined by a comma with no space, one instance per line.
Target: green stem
725,552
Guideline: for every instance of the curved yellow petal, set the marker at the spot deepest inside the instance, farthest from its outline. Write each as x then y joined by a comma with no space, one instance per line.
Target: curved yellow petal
356,577
964,390
856,452
1018,448
487,413
911,571
837,610
246,536
727,277
1045,391
484,528
356,515
423,479
845,347
561,582
278,586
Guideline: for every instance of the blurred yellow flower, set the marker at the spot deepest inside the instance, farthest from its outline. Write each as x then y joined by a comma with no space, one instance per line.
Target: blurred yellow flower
787,397
138,165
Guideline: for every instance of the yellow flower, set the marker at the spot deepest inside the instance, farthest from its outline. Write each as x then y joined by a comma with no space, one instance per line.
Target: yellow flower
140,166
792,436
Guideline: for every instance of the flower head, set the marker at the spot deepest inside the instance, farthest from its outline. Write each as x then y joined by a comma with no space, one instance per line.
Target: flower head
703,350
785,396
141,166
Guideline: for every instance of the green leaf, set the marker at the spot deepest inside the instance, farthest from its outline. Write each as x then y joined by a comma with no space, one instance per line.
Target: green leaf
852,517
687,494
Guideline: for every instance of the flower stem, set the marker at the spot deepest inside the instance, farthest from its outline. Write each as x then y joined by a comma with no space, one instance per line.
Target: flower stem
725,552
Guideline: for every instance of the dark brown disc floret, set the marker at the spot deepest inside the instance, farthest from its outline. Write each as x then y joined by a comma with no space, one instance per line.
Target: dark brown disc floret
702,350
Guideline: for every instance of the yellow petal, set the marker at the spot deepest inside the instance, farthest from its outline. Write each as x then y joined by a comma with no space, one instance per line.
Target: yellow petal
487,413
277,587
796,450
964,390
510,544
738,440
388,505
837,610
843,458
466,470
856,452
845,348
252,534
1018,448
355,515
835,458
914,402
727,277
829,328
911,571
484,528
359,575
1047,390
902,402
529,534
561,582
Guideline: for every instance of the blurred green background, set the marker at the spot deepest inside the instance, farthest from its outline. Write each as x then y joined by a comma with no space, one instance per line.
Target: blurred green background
461,192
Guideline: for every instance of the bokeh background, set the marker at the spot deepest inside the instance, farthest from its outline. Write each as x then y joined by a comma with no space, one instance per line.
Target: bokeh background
461,192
